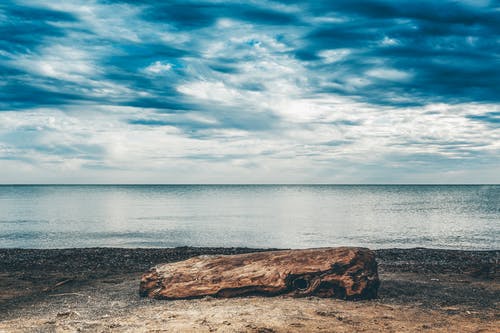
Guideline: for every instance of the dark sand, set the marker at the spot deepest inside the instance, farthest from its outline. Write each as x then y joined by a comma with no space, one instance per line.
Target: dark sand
96,290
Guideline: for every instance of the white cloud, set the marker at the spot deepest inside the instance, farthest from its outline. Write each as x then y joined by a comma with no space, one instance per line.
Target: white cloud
259,118
297,152
387,41
331,56
60,62
388,74
158,67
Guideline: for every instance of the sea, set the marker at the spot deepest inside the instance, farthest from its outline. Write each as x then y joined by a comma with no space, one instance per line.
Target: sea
463,217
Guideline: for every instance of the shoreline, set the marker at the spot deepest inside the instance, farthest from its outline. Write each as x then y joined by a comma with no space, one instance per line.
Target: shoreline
87,288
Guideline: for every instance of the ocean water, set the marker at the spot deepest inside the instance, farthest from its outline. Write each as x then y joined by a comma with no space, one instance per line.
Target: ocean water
288,216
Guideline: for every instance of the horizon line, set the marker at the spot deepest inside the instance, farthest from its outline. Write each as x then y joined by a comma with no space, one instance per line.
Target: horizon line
247,184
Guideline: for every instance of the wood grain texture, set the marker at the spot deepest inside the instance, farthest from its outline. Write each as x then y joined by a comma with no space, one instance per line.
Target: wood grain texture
345,272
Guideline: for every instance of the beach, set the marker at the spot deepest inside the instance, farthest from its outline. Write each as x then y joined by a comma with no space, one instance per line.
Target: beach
96,290
359,138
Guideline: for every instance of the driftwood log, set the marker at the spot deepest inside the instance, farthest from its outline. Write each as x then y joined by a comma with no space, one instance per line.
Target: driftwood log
346,273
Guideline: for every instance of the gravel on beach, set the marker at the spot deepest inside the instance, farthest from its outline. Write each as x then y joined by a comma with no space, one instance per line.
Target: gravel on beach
95,289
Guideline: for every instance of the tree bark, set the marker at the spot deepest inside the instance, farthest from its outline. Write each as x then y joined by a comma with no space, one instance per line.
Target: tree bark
345,272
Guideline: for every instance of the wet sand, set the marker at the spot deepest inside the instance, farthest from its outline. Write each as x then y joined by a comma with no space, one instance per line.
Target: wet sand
96,290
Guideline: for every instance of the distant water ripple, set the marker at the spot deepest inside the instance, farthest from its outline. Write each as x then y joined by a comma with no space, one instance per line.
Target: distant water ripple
285,216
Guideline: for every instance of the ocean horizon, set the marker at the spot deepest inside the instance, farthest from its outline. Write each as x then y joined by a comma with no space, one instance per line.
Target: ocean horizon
452,216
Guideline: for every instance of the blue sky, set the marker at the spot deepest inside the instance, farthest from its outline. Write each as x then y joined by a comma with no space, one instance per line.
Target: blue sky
249,91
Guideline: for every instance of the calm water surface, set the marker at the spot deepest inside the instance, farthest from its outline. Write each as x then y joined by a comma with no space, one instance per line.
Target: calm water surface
458,217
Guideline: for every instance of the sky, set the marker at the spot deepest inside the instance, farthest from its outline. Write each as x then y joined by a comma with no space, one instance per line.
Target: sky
343,91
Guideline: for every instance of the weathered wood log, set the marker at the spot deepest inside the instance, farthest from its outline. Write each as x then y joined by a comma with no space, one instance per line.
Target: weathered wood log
345,272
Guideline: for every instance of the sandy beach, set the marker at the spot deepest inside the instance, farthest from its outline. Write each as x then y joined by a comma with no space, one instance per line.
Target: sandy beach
96,290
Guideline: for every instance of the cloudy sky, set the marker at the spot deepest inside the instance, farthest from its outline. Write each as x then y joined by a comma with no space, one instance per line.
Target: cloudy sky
341,91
